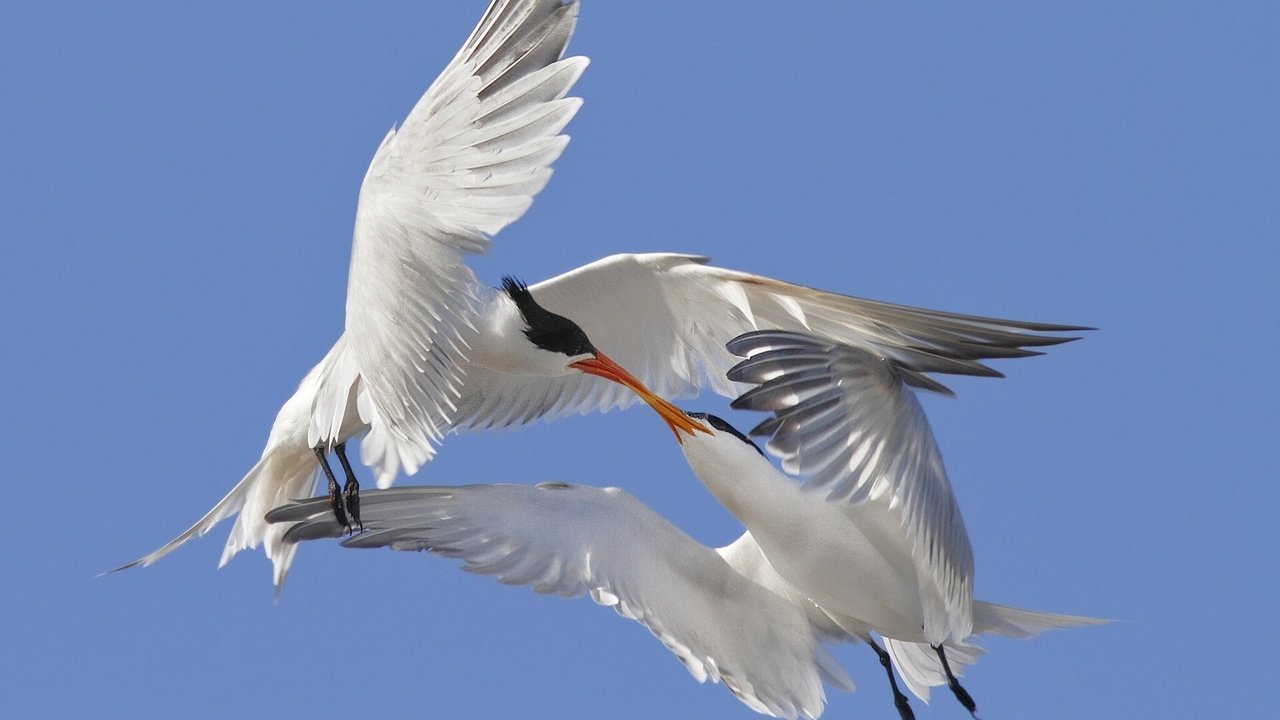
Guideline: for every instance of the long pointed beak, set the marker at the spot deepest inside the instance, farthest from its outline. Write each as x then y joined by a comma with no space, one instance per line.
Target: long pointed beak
602,366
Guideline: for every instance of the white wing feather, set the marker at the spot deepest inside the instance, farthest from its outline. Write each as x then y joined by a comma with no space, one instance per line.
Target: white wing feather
666,318
845,420
467,161
574,540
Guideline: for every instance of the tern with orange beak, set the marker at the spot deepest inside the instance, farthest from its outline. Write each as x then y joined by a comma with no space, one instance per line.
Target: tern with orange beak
429,350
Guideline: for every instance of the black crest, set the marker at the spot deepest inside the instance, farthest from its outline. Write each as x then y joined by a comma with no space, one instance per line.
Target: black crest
545,329
723,426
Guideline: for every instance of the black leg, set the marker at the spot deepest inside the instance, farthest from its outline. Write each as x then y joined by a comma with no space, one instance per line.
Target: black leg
899,700
961,694
335,499
350,491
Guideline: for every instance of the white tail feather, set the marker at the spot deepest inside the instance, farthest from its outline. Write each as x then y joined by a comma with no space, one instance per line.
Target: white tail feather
289,474
919,667
918,663
992,619
226,507
282,474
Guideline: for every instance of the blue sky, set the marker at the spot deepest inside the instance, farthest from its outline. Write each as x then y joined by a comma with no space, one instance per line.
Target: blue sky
176,195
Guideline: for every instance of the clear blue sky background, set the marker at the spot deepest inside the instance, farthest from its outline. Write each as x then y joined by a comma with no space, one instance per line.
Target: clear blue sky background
176,196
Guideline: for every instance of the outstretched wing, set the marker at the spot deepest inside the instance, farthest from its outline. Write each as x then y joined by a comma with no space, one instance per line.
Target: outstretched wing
844,418
466,162
570,540
666,318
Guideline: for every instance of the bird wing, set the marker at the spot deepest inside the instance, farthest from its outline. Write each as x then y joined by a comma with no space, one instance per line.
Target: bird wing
666,318
844,418
570,540
467,161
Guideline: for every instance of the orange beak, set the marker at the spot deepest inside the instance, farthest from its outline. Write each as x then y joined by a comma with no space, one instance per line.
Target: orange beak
602,366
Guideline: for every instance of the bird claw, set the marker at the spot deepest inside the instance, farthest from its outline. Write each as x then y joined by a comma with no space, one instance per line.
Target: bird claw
351,496
904,708
957,689
339,509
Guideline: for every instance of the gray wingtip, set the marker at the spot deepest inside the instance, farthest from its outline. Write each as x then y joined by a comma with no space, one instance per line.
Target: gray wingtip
125,566
297,511
747,343
314,530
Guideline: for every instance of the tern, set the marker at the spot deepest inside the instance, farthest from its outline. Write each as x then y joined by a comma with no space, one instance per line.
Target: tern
874,535
429,350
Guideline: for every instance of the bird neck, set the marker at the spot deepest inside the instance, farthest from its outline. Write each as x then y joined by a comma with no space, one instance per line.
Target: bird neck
742,479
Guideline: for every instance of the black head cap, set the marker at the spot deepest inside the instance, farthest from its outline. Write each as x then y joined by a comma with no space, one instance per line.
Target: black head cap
723,426
547,330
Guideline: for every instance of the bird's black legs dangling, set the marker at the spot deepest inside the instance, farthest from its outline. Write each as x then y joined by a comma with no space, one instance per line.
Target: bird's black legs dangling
899,700
961,694
335,498
350,491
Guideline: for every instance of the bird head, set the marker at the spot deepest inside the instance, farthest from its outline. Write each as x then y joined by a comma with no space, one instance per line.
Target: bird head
545,329
558,334
722,431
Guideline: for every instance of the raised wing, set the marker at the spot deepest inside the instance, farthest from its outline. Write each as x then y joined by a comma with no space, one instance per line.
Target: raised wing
570,540
666,318
844,419
466,162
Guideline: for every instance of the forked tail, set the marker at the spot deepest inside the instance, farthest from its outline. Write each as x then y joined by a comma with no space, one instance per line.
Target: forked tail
918,663
282,474
993,619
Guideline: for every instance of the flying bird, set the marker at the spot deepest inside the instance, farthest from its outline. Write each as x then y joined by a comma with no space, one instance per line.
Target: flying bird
429,350
864,522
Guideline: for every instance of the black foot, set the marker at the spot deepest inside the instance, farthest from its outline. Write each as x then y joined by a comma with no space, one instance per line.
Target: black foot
899,700
963,696
335,498
350,491
351,495
904,708
956,688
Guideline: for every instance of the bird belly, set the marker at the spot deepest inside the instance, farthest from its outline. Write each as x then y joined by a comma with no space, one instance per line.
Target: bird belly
862,571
